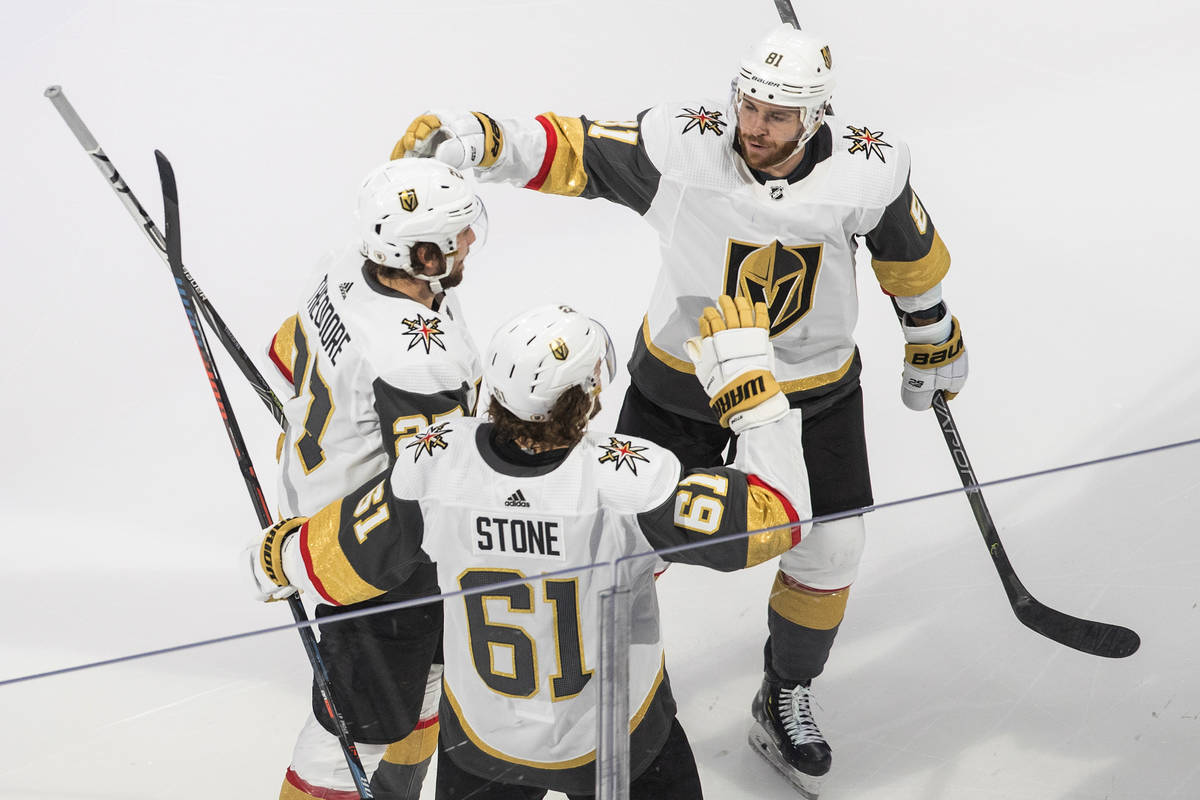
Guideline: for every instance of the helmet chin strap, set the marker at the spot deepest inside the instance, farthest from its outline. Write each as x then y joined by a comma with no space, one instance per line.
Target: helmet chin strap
435,281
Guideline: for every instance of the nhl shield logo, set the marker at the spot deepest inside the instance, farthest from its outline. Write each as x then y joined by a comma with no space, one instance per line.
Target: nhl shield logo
825,54
408,199
782,276
558,349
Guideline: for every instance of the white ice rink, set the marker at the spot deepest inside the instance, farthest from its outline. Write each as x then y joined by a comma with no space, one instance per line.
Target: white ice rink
1053,143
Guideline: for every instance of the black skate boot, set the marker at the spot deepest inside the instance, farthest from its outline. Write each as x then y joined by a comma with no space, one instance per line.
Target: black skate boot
785,734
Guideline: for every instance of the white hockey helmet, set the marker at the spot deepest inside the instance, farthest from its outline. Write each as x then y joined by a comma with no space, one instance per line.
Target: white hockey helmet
536,356
789,68
412,200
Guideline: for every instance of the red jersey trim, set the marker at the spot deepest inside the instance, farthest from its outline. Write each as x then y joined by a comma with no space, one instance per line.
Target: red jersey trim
548,159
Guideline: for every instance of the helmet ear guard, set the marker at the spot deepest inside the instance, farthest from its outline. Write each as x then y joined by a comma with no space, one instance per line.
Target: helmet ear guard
535,357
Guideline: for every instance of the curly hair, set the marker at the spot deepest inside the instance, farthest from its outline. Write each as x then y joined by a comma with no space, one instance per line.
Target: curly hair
566,425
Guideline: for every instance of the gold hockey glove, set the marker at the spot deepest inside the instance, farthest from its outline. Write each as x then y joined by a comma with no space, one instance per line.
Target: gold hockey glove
266,555
734,361
460,139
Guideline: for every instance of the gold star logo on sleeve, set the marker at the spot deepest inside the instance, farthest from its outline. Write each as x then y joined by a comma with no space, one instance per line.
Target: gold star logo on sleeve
620,453
867,141
428,440
702,119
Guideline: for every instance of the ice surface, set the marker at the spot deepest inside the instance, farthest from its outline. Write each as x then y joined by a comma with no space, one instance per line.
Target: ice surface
1052,145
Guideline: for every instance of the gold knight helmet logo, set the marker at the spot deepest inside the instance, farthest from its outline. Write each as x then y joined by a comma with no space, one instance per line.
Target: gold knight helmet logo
408,199
558,348
782,276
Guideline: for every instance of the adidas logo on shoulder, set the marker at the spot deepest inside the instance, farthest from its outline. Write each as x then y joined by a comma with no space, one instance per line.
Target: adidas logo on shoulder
517,498
344,288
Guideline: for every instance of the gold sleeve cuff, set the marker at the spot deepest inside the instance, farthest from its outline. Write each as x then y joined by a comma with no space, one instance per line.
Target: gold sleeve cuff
909,278
562,170
332,573
763,510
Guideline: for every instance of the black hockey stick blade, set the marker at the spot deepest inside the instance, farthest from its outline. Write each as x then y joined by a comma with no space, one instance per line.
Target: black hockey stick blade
787,13
1085,635
170,193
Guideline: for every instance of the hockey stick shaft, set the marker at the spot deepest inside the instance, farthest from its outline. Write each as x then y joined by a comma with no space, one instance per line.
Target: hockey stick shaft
1013,587
143,220
174,250
1088,636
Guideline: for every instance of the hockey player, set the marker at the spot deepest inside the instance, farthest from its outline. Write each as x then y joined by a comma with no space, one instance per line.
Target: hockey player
532,494
764,194
377,351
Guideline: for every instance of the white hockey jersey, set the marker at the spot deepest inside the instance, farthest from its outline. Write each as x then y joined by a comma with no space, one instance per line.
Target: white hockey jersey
367,368
725,231
519,702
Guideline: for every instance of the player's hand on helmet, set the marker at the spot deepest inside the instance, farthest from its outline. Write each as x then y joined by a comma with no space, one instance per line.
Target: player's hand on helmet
461,139
935,359
264,556
734,361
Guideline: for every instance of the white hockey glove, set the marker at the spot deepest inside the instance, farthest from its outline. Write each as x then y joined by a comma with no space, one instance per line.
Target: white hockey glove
934,359
734,361
265,557
461,139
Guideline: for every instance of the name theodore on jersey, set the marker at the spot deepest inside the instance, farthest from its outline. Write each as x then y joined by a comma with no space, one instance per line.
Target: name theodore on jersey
538,537
332,331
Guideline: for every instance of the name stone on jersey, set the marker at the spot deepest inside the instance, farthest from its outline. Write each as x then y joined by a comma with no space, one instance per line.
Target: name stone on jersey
521,536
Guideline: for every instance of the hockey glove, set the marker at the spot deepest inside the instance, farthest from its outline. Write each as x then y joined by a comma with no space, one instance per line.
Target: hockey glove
934,359
460,139
265,556
734,361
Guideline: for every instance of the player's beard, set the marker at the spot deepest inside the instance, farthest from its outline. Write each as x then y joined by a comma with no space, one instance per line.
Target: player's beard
773,155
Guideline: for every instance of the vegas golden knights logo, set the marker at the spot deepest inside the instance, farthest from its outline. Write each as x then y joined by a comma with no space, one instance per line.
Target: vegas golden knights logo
558,348
825,54
408,199
783,277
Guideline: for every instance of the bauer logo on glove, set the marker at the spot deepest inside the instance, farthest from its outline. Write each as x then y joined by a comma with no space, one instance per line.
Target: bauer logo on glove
931,356
935,358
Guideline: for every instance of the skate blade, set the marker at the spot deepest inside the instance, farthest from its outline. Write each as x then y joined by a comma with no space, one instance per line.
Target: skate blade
809,786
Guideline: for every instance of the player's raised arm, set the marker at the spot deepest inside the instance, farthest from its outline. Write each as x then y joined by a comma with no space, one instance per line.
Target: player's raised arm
557,154
767,486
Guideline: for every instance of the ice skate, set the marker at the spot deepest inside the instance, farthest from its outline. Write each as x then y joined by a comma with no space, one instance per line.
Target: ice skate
785,734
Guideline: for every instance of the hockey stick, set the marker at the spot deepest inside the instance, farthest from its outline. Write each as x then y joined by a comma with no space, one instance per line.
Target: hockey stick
1088,636
787,13
174,252
126,196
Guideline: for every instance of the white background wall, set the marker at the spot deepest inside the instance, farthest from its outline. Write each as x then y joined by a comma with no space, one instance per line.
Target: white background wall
1052,145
